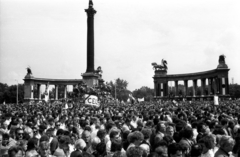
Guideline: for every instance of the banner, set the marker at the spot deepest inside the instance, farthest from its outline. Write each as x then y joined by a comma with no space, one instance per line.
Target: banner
140,100
91,100
216,100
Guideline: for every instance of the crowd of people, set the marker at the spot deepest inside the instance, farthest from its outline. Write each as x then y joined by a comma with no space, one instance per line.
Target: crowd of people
146,129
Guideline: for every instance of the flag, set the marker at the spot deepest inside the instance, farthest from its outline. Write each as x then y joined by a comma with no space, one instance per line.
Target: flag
132,99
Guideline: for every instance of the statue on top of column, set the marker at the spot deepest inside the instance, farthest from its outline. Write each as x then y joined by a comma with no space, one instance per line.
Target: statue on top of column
90,3
29,71
221,58
163,66
221,62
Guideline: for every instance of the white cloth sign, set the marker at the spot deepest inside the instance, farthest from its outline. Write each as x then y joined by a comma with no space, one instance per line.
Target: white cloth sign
216,100
91,100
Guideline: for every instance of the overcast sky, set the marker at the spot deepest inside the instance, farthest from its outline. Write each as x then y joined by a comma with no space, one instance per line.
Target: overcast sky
50,36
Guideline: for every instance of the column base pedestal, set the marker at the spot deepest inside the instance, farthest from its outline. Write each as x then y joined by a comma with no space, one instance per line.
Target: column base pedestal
90,79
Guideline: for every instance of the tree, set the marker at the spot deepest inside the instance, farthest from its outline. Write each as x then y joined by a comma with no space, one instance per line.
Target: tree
234,90
122,93
8,94
145,92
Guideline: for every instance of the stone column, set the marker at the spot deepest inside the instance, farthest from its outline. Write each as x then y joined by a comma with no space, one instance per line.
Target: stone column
203,86
216,85
65,91
39,91
90,37
186,87
213,86
56,92
194,87
32,92
166,89
176,88
227,86
209,86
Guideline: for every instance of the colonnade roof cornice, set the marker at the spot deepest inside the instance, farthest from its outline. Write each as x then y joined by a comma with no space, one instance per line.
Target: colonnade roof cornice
53,81
192,76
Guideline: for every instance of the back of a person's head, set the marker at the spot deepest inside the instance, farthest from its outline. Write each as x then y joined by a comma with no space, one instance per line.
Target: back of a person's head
224,121
196,150
12,149
116,145
187,133
208,141
174,148
146,133
135,152
101,148
32,143
153,154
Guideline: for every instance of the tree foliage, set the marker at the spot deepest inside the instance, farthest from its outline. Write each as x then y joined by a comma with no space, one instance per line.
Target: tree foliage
234,90
120,86
145,92
8,94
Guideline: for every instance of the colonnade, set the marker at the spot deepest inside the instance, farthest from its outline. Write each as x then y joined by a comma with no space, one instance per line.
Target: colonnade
216,85
56,96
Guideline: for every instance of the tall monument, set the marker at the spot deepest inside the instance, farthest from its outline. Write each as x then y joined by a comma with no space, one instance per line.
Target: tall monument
90,77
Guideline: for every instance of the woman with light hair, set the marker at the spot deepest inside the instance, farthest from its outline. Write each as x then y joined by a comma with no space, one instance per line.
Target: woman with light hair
226,144
79,145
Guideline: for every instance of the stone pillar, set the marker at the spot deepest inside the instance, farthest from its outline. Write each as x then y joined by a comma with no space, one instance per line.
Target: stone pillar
227,86
213,86
56,92
194,87
209,86
155,89
32,92
216,85
65,91
90,37
161,89
223,86
176,88
186,87
39,91
166,89
203,86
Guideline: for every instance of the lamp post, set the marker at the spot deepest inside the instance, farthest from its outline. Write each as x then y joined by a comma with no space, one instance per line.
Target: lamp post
115,90
17,91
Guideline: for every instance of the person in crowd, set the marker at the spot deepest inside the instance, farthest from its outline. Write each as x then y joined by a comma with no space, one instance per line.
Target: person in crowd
207,146
32,147
79,146
226,145
93,145
135,139
161,148
136,151
187,139
146,145
86,136
196,150
175,150
63,147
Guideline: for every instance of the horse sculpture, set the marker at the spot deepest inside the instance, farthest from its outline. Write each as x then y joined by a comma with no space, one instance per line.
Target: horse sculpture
160,67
